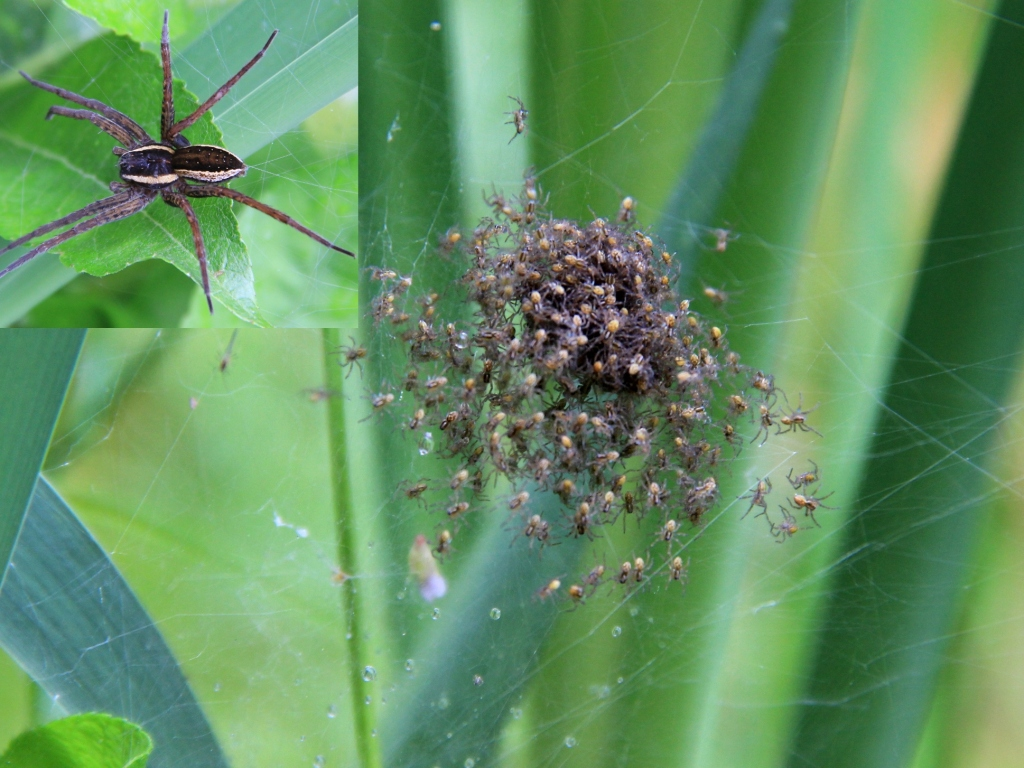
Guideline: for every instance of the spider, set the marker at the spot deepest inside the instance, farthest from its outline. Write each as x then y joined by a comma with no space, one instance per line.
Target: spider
518,118
171,168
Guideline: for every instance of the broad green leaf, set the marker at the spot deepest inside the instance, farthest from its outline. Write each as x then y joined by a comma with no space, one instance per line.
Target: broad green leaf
917,514
51,168
35,369
142,20
74,624
92,740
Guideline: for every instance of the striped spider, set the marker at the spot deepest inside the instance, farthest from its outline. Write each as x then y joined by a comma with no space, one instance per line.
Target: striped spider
171,168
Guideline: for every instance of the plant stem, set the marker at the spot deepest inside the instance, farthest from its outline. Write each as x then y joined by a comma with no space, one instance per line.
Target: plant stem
364,715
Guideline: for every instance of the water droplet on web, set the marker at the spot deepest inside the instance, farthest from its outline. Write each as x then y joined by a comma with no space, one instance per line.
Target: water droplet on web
516,713
302,533
435,614
470,762
319,761
443,702
634,611
427,445
495,613
621,680
570,742
369,674
332,712
409,665
616,631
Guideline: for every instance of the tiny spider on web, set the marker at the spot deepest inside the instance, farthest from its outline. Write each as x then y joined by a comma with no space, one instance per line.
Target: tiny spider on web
518,118
172,168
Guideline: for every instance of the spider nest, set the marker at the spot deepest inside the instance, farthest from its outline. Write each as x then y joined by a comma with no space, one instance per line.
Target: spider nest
583,374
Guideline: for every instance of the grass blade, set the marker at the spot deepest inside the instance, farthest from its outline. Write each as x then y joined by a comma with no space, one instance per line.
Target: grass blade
34,378
73,623
915,522
311,62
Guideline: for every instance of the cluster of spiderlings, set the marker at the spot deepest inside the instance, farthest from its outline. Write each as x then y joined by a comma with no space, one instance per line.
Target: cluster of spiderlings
581,374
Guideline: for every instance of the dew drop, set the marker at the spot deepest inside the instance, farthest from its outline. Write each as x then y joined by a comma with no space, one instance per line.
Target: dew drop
516,713
332,712
621,680
478,680
443,702
634,611
470,762
319,761
616,631
495,613
409,665
369,674
367,701
570,741
435,614
435,26
373,733
216,687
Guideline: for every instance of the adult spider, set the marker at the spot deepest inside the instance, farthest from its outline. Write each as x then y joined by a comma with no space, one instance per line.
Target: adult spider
172,168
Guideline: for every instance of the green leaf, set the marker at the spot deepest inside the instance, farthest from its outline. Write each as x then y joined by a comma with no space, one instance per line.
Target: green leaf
917,515
92,740
73,623
142,20
52,168
34,375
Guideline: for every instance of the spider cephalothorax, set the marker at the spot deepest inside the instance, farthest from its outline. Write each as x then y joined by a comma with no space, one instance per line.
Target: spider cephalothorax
172,168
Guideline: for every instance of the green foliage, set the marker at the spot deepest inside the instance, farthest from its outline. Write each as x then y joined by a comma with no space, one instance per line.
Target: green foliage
92,740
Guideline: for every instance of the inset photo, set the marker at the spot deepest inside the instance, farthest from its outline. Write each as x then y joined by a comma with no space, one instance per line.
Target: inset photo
173,164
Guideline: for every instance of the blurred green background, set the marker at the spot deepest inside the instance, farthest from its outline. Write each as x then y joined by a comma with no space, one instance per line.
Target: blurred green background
292,119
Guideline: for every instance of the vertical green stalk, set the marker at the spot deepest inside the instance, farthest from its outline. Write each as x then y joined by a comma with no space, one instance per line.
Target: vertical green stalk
364,716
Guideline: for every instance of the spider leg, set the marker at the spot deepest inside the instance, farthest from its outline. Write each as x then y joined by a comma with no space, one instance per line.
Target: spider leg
211,190
167,109
221,92
120,206
105,124
180,201
129,125
71,218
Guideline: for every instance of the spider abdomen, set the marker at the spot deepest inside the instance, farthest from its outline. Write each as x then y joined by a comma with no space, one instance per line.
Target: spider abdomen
151,165
207,163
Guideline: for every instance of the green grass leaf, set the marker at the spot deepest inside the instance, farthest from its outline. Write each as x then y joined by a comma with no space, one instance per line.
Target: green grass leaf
34,377
921,499
72,622
310,64
92,740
